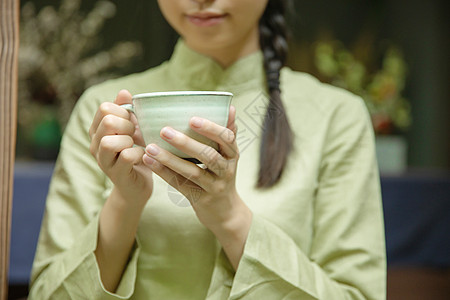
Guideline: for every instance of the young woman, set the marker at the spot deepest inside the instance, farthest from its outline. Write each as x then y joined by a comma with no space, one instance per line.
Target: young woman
289,206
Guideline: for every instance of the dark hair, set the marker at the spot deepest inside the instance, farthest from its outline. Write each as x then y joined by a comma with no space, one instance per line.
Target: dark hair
277,136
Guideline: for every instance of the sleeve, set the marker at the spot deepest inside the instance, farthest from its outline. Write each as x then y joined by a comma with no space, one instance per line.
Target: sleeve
65,266
347,258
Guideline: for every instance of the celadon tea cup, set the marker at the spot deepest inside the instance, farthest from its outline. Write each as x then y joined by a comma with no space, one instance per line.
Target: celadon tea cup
156,110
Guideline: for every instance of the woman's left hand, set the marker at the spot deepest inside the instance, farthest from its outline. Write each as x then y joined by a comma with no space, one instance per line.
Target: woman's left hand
211,191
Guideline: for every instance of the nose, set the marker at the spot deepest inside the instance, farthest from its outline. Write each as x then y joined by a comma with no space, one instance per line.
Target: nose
203,3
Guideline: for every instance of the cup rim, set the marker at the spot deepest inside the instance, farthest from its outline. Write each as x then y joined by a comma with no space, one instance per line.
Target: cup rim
181,93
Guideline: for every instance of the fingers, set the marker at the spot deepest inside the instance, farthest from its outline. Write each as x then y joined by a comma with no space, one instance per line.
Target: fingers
184,184
225,137
123,97
110,147
117,156
108,108
232,119
127,159
105,109
187,177
206,154
110,125
199,176
111,119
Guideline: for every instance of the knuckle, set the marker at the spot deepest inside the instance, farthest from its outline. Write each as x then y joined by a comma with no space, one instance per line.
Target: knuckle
129,142
131,128
127,155
212,157
106,144
105,108
109,121
230,136
227,136
203,155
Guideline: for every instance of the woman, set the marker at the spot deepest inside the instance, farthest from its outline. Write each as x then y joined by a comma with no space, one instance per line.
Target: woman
291,211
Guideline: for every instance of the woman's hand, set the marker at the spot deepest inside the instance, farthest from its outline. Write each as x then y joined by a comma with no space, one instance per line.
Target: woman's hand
211,190
113,133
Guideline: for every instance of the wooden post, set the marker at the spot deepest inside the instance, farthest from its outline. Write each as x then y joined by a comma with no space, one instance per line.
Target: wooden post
9,44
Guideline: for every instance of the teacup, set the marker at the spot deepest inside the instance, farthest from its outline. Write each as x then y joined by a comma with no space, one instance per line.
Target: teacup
157,110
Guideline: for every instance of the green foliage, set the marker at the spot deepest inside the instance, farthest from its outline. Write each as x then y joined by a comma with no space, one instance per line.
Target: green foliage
381,88
60,55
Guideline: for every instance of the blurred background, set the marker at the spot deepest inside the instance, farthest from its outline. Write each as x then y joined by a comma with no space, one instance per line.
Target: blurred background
393,53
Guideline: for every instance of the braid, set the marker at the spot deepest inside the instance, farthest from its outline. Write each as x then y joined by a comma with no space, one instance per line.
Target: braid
277,138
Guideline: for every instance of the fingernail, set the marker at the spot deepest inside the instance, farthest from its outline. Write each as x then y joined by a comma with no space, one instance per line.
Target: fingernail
152,150
197,122
168,133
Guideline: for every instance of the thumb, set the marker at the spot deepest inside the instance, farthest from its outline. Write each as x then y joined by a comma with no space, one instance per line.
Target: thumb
123,97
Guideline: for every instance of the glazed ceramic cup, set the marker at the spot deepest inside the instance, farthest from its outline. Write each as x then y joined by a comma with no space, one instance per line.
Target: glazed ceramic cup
157,110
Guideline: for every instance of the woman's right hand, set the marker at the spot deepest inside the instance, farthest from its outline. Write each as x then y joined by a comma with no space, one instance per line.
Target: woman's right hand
113,133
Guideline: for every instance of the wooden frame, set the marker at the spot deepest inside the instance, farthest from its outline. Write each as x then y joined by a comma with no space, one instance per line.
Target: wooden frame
9,44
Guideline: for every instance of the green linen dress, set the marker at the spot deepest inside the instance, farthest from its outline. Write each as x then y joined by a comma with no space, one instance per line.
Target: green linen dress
317,234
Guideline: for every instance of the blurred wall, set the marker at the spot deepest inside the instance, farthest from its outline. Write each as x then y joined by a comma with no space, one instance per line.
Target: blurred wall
422,27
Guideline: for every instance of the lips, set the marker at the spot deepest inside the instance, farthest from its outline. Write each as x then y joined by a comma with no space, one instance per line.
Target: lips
205,18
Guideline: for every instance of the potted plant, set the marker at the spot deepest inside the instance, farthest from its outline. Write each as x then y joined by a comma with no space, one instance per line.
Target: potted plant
374,71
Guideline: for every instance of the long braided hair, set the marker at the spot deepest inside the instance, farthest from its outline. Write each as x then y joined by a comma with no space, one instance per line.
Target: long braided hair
277,136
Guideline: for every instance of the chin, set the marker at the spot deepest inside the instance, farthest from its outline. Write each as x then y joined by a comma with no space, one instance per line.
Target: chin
208,42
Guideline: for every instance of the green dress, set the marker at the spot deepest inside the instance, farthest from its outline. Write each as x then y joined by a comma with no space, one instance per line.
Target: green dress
317,234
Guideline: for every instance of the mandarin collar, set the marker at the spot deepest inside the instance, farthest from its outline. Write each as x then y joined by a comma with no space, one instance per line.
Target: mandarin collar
194,71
